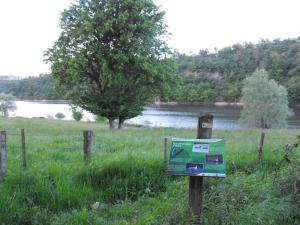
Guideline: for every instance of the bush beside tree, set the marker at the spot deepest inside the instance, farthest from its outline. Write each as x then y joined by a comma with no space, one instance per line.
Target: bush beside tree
77,113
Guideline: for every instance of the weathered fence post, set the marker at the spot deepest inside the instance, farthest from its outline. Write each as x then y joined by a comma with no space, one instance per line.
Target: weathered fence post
260,147
196,187
87,145
3,153
165,148
24,163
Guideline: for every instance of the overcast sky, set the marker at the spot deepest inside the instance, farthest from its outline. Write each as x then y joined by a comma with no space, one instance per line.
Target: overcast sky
29,27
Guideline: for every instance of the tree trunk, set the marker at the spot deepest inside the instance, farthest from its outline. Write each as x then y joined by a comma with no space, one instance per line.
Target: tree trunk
263,123
120,124
111,123
121,121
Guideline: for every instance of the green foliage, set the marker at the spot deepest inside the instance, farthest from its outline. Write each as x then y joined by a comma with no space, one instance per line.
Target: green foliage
245,199
33,88
7,103
196,88
127,183
289,187
100,119
59,115
228,67
126,179
111,57
265,102
293,87
77,113
206,76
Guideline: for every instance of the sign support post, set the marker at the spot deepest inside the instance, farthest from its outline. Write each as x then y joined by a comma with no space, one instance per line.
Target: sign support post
196,188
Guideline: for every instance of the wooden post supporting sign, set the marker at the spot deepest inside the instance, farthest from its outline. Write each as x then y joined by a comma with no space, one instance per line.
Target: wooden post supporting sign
165,148
196,188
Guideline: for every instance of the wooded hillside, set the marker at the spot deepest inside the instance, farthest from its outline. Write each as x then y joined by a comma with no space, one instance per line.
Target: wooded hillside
218,76
207,76
32,88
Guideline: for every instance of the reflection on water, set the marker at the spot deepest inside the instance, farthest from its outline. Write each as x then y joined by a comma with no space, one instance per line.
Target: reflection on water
225,117
184,116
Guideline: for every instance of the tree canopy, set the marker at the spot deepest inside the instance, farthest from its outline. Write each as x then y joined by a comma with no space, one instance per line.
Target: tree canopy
265,102
111,57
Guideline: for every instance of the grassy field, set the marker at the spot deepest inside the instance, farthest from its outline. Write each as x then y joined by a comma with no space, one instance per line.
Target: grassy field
126,182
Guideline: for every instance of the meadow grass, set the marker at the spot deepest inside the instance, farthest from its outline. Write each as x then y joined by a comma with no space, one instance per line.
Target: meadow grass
127,176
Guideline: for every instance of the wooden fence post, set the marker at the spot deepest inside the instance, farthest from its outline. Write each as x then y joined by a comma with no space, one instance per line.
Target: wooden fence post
87,145
24,163
196,188
3,153
260,147
165,148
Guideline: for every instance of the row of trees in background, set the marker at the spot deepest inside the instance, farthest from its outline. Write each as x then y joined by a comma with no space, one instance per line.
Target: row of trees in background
206,77
32,88
219,75
112,59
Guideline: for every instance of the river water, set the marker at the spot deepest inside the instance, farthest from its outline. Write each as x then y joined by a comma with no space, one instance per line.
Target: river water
179,116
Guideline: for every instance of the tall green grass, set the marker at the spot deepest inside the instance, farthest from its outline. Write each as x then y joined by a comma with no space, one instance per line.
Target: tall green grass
127,176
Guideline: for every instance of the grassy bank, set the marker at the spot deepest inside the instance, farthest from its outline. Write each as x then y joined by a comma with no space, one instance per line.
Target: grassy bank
127,183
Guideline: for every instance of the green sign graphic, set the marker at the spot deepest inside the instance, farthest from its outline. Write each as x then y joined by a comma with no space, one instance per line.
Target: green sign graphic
197,157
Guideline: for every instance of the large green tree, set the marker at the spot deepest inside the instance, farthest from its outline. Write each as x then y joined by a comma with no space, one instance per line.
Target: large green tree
265,102
111,58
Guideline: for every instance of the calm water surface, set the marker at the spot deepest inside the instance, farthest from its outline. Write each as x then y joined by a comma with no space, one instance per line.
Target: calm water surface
225,117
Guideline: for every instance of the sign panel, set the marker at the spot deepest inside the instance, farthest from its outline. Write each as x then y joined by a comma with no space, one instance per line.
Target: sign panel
197,157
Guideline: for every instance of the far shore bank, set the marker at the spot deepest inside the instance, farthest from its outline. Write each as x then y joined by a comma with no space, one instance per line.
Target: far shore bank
158,103
173,103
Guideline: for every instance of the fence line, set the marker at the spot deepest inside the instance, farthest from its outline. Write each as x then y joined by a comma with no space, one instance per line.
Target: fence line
76,145
75,142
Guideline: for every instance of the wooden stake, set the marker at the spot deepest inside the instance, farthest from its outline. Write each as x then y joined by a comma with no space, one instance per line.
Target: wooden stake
260,148
3,153
165,148
196,188
87,145
24,163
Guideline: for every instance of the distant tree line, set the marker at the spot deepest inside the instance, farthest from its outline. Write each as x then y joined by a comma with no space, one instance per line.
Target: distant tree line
32,88
206,76
219,75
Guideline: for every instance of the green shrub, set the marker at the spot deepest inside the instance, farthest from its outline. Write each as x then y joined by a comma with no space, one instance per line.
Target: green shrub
59,115
77,113
100,119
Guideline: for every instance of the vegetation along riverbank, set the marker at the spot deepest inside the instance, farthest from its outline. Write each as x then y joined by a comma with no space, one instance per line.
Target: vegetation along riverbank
205,77
126,181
